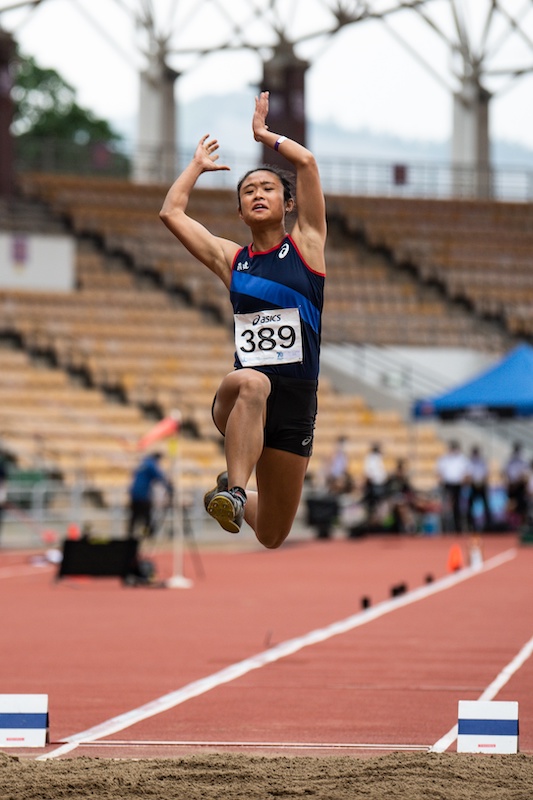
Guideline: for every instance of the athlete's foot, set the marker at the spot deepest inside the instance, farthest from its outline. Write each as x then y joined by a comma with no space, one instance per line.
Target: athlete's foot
228,510
222,486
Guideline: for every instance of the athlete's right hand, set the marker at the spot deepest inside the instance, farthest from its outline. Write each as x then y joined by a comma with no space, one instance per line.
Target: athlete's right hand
206,155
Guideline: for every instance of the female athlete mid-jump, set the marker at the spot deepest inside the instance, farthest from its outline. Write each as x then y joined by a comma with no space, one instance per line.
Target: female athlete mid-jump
266,407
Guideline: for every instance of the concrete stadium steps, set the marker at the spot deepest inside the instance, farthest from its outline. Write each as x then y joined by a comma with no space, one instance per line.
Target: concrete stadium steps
135,323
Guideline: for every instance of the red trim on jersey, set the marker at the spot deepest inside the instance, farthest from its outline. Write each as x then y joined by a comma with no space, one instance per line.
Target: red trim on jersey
252,253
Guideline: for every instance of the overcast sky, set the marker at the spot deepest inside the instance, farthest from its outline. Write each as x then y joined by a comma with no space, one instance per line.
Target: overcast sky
360,78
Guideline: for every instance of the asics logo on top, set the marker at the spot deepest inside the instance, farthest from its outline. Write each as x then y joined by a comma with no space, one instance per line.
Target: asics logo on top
241,266
283,250
262,319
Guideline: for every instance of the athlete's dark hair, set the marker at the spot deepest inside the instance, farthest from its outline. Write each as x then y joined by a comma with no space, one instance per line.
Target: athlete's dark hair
286,178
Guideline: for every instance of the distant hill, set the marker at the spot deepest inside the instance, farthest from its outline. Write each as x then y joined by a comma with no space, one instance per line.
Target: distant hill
228,118
232,116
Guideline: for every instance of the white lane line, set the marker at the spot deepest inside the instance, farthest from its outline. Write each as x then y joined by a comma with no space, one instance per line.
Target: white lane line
282,650
60,751
489,693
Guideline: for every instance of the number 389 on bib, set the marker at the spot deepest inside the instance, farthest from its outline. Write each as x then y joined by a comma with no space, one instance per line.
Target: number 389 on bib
269,337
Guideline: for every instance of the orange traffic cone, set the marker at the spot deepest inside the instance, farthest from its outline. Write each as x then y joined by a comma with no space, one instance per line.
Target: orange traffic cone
73,532
455,558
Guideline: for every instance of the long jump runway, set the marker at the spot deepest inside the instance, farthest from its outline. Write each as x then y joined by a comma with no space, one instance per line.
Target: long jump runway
273,652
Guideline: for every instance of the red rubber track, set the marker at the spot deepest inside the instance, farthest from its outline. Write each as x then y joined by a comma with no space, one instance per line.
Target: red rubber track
100,649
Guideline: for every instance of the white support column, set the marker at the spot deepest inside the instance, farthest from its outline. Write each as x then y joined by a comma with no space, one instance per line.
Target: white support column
470,143
155,152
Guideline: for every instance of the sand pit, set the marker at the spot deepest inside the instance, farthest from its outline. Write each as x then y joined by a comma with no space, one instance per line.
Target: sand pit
404,776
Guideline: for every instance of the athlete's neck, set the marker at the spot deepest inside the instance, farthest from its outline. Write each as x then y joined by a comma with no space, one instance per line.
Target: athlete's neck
267,241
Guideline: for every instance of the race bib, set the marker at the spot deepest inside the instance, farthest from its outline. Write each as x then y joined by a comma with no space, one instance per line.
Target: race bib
269,337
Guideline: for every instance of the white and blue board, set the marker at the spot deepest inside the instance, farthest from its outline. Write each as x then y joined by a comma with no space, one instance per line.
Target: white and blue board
23,720
487,726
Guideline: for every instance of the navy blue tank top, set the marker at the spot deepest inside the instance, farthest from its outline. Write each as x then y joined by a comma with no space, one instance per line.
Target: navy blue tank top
280,279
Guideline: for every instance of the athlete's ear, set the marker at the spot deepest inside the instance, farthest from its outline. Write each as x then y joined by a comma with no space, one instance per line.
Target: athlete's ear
289,206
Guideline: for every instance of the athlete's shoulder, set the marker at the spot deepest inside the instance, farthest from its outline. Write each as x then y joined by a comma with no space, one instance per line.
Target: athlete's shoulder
242,258
303,256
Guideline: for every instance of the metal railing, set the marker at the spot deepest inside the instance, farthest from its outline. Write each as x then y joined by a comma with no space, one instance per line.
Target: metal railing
40,515
379,367
45,512
430,179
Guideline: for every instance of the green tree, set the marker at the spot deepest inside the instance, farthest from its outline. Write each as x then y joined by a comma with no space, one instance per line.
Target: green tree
48,123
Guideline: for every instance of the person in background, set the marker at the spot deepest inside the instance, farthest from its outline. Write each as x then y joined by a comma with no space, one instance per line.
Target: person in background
141,494
516,474
478,488
402,499
375,476
452,471
3,490
338,478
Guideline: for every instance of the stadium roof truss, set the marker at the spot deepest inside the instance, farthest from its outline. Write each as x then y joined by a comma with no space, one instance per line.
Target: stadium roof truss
489,45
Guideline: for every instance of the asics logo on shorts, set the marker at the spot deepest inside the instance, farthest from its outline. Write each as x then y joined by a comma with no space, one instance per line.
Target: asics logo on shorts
306,441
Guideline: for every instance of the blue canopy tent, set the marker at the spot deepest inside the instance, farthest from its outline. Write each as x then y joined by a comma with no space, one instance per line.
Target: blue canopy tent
503,391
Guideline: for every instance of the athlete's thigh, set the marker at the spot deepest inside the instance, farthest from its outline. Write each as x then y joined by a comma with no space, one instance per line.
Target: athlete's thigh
280,477
229,390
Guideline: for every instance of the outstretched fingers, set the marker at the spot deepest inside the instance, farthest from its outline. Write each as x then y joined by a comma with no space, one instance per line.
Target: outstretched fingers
206,153
260,114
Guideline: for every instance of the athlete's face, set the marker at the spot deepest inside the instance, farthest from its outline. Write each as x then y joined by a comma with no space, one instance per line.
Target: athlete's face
261,198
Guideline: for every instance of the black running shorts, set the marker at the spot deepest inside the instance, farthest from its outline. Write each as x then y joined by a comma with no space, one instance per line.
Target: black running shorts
291,415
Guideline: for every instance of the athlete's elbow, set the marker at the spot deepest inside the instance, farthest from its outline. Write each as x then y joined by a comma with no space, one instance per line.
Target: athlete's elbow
307,160
164,216
170,218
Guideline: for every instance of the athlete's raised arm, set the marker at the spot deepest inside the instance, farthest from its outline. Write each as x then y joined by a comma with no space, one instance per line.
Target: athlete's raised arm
310,230
214,251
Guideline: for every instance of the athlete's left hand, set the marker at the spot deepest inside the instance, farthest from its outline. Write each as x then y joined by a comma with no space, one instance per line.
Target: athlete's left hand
259,125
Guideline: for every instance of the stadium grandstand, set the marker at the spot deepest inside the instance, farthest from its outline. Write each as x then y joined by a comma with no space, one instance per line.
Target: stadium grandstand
86,369
145,331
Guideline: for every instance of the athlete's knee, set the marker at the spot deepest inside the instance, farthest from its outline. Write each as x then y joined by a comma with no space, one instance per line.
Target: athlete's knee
272,539
254,381
254,388
246,388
